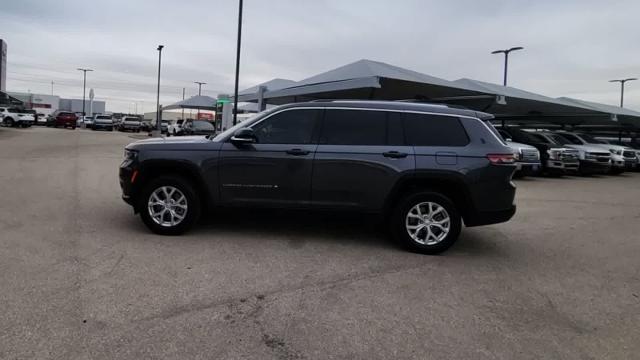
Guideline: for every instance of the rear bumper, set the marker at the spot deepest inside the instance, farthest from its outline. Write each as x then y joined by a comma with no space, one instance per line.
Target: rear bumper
489,217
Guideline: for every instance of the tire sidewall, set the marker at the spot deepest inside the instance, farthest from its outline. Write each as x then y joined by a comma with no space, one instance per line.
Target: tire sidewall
193,203
399,230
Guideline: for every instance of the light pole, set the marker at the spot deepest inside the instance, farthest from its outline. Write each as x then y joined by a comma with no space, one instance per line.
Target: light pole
622,81
158,126
183,105
506,59
235,93
200,83
84,87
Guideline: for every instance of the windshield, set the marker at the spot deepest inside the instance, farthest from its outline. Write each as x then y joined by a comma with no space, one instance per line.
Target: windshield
103,117
559,139
590,139
571,138
202,125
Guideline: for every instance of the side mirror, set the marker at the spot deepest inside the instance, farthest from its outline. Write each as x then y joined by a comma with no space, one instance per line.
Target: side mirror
244,136
508,139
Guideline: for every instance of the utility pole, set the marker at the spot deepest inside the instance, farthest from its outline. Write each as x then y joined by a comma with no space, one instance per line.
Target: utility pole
183,100
84,87
235,93
622,81
158,125
52,88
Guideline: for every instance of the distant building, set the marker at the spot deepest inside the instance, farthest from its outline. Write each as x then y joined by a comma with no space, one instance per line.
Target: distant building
44,104
75,105
47,104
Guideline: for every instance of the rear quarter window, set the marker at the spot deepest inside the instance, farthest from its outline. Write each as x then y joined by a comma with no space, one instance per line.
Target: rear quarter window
434,130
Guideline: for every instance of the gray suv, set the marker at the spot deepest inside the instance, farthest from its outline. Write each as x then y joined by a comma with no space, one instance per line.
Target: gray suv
425,168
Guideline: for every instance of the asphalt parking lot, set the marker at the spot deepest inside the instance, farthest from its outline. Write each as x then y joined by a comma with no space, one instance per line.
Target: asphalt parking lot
82,278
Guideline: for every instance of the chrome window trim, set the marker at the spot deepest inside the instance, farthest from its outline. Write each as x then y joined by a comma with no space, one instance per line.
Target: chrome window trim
368,109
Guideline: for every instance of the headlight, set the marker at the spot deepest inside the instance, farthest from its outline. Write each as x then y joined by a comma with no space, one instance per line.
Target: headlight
615,152
130,154
517,153
554,154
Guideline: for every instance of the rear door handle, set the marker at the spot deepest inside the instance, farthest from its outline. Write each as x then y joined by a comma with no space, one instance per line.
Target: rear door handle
298,152
394,154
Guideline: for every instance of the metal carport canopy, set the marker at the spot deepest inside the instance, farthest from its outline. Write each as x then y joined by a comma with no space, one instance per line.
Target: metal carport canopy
364,79
198,102
367,79
523,106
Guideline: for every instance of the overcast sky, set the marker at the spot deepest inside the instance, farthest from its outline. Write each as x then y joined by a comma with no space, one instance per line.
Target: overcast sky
572,48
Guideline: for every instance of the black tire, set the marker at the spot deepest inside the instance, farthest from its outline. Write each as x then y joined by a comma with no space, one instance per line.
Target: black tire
401,212
193,204
9,122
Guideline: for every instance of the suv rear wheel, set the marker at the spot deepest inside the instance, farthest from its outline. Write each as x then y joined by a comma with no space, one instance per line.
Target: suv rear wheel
426,222
168,205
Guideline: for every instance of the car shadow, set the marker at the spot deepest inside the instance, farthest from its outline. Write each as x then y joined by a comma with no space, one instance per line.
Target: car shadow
298,227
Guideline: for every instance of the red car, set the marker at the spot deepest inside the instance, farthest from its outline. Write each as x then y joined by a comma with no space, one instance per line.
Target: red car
63,118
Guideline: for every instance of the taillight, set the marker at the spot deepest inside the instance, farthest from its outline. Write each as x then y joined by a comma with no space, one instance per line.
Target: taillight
501,159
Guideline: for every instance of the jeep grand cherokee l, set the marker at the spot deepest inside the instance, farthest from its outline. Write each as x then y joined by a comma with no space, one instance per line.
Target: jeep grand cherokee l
425,168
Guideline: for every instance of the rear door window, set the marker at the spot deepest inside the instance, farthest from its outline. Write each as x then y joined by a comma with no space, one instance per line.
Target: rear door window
354,127
434,130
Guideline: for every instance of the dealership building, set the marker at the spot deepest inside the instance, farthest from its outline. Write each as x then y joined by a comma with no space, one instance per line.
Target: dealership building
47,104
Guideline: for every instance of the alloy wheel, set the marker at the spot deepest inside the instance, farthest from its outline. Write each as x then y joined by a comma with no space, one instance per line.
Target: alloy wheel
428,223
167,206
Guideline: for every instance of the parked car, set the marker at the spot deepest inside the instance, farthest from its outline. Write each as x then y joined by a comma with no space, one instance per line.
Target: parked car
198,127
622,157
41,119
592,159
527,157
15,117
175,128
85,122
626,153
148,125
555,159
102,122
130,123
424,168
62,118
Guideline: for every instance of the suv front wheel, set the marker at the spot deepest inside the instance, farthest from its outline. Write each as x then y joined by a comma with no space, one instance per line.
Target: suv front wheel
168,205
426,222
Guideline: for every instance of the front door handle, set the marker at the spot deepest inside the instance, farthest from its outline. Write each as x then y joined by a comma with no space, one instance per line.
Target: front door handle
298,152
394,154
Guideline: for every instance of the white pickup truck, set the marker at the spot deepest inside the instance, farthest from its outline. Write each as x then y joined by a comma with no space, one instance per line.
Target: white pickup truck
14,117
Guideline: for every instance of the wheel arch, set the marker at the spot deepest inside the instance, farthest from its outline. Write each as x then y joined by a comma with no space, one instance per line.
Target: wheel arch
152,169
448,184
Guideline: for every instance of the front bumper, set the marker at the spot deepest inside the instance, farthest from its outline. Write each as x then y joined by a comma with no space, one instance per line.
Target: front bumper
125,175
102,126
595,167
562,165
527,166
129,127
